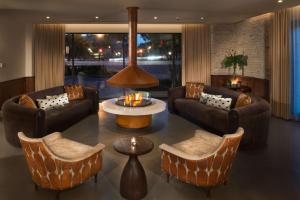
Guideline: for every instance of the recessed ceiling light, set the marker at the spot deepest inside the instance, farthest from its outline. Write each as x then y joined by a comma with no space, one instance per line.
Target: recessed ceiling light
202,18
155,17
280,1
47,17
96,17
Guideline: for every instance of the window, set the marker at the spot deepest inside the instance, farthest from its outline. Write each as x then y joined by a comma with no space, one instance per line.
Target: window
91,59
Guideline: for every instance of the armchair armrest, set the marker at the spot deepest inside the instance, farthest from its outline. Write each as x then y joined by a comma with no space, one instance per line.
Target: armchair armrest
183,155
96,149
175,93
92,94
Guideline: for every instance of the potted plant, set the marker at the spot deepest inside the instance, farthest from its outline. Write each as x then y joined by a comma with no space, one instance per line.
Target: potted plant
232,59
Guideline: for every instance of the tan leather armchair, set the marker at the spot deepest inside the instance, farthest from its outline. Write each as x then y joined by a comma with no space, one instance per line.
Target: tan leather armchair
58,163
203,160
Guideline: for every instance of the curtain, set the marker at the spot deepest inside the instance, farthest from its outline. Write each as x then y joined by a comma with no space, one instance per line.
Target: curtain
196,57
49,55
295,35
280,64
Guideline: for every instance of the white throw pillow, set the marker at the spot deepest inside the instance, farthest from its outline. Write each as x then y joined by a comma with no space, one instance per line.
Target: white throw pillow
204,97
46,104
53,101
219,102
60,99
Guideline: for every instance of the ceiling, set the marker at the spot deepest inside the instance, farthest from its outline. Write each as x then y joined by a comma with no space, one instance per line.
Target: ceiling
113,11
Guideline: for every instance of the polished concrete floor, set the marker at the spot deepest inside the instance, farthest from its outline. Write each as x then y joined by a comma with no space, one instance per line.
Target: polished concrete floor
272,173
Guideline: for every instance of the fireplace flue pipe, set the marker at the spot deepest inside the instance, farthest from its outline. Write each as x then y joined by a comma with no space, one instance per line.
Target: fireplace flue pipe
133,76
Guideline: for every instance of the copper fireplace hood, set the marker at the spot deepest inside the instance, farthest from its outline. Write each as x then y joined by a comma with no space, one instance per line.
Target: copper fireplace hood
132,76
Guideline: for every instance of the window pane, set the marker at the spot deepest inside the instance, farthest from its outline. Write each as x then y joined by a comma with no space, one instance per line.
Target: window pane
91,59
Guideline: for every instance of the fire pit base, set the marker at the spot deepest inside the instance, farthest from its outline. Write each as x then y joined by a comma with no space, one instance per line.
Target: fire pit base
141,121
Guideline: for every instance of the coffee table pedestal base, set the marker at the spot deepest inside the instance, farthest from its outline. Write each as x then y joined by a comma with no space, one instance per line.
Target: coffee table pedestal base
127,121
133,184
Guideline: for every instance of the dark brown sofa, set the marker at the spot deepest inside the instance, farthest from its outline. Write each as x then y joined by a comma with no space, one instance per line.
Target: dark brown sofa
38,123
253,118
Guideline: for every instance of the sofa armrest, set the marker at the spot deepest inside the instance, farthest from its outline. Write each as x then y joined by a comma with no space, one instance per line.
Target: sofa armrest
173,94
18,118
92,94
258,106
254,119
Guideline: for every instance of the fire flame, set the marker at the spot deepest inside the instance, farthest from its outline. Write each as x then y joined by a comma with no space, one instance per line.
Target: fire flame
234,81
133,99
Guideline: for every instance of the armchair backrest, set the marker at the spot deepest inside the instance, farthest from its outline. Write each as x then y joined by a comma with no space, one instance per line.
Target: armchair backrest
40,162
218,165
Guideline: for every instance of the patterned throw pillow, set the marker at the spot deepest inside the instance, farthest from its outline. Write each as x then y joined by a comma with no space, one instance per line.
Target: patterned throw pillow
45,104
55,101
219,102
243,100
74,92
60,99
26,101
193,90
204,97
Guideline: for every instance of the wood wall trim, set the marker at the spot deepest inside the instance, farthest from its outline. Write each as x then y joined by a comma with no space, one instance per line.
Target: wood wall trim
259,87
15,87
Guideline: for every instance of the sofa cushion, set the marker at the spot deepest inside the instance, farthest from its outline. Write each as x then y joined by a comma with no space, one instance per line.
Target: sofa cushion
41,94
47,104
193,90
65,148
219,102
26,101
75,92
59,119
204,97
61,98
209,117
202,143
243,100
226,93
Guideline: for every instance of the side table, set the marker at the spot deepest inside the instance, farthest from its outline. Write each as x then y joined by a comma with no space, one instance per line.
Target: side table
133,184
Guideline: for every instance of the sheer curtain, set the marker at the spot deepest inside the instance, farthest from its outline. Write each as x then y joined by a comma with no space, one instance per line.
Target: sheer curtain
295,43
280,95
196,53
49,44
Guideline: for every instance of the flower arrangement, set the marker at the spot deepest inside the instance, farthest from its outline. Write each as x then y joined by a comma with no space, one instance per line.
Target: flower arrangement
232,59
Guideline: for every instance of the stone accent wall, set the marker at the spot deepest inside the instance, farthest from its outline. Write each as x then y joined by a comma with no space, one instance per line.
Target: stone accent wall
248,36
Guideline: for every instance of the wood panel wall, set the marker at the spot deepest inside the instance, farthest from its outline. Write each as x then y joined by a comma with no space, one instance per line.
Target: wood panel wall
259,87
15,87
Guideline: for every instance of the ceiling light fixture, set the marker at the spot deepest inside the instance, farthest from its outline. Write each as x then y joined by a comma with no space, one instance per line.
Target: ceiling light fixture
155,17
280,1
47,17
202,18
96,17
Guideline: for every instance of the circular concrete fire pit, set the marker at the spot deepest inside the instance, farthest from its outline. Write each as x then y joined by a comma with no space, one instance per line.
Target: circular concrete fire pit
134,117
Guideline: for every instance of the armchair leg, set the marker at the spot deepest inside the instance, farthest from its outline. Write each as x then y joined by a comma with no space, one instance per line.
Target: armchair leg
208,192
225,182
96,178
168,178
58,195
36,188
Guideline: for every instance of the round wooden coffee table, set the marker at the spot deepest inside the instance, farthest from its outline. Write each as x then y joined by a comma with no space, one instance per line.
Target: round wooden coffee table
133,184
134,117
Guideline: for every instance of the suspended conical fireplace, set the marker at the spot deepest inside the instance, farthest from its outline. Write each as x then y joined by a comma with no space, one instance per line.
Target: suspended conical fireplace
132,76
